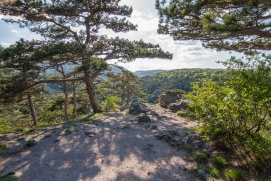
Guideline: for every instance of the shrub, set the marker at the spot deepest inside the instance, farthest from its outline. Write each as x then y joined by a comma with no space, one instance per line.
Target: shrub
234,174
214,172
181,113
2,146
238,107
30,144
238,110
9,178
199,157
220,162
110,104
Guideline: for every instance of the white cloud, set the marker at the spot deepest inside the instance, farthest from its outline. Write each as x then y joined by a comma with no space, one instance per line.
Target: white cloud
5,44
187,54
15,31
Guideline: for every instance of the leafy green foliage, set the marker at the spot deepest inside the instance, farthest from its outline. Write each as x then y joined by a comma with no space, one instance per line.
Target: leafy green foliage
124,85
234,174
30,144
238,110
220,162
214,172
181,113
110,104
3,146
9,178
199,157
241,25
58,23
155,84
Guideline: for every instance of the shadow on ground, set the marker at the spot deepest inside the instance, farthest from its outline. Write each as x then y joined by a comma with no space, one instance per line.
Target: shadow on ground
110,149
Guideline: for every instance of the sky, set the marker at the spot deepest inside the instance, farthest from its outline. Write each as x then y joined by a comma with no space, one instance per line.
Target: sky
186,54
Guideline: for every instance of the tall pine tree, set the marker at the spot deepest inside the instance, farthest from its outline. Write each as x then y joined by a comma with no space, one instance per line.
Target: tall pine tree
80,22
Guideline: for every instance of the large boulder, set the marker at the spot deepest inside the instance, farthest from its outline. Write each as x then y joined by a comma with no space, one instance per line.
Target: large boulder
180,105
168,97
136,108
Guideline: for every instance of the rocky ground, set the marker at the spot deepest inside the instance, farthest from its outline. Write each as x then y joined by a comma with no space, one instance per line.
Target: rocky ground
113,148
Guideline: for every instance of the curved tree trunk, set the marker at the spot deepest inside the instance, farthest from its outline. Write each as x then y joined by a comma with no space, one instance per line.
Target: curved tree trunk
32,109
91,92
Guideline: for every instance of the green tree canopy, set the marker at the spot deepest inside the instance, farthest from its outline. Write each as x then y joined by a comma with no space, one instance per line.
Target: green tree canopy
238,25
79,22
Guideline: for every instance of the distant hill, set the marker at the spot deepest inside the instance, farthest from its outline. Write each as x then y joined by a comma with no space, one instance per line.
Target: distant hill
157,83
143,73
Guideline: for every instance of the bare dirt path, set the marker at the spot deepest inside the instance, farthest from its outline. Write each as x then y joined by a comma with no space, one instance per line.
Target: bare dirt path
111,149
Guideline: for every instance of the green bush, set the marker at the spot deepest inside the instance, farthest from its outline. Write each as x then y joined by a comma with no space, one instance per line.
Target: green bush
2,146
234,174
9,178
181,113
110,104
199,157
237,110
30,144
220,162
240,107
214,172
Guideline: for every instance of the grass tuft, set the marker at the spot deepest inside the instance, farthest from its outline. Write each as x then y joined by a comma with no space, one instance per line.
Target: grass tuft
234,174
3,146
9,178
220,162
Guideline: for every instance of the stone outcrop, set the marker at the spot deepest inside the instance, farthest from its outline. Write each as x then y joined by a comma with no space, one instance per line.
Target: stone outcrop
168,97
173,101
141,118
180,105
137,107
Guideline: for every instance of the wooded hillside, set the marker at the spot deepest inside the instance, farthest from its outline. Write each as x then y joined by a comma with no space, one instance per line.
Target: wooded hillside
155,84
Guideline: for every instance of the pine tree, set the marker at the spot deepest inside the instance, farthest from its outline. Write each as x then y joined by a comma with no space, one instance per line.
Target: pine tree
124,85
234,25
59,20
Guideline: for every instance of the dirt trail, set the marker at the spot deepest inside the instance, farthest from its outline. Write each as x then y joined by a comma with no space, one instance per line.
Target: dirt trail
111,149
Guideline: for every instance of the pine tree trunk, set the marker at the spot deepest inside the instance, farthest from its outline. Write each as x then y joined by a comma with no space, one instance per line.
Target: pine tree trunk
86,106
32,109
128,97
74,100
91,92
66,105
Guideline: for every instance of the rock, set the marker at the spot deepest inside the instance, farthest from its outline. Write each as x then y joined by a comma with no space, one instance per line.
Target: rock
142,118
21,139
167,136
183,168
136,108
153,127
87,133
65,132
123,107
153,113
194,140
90,133
168,97
148,148
125,126
202,173
56,140
11,172
32,140
181,104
